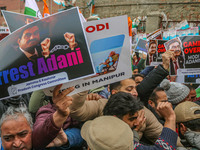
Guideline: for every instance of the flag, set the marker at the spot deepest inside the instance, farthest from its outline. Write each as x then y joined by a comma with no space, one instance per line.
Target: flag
32,9
45,9
91,4
130,26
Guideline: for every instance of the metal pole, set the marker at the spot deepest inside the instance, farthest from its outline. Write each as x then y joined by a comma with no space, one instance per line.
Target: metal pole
51,6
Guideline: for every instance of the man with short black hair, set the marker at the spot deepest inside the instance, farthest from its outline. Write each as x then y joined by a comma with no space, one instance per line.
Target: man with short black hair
158,95
138,78
126,107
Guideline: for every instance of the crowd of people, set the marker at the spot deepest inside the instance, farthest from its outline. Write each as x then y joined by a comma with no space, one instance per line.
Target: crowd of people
146,111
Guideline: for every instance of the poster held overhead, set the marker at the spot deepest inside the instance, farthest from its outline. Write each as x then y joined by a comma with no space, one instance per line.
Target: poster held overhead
114,55
187,55
41,55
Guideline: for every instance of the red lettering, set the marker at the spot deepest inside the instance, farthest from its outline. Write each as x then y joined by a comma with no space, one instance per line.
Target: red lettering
161,50
90,29
107,26
160,45
191,44
185,44
99,27
192,50
186,51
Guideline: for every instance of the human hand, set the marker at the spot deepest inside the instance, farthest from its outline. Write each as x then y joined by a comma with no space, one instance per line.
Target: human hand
70,38
93,96
166,111
172,78
166,58
61,100
144,56
140,120
61,139
45,44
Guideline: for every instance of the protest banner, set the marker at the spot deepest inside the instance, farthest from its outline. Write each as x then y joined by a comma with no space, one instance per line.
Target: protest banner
16,20
44,53
152,53
102,35
160,49
141,46
155,50
110,49
195,79
157,34
4,31
187,55
188,79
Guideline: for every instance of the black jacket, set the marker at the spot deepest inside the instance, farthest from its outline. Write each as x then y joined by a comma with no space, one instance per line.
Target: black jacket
150,82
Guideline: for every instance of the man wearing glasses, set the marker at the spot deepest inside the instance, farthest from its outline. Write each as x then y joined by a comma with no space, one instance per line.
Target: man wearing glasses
177,61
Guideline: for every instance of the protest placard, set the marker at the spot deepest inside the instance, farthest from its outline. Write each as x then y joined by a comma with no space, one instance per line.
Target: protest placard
195,79
4,31
16,20
155,50
141,46
44,53
110,48
186,59
108,36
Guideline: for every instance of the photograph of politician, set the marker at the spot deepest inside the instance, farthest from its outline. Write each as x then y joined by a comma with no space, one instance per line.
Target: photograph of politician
178,60
152,53
45,48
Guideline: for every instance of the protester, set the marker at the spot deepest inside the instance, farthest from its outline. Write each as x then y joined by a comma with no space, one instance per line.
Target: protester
17,101
192,94
97,132
16,129
176,92
138,78
188,122
53,120
158,95
138,62
127,108
107,133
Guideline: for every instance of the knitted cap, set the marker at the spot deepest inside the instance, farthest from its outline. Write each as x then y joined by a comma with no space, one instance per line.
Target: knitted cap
176,92
107,133
186,111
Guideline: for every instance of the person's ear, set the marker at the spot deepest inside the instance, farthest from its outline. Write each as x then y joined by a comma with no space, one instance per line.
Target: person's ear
151,103
18,41
183,128
114,92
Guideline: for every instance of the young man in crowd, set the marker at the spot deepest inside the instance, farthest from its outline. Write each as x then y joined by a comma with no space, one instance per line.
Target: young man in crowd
83,110
127,108
188,124
158,95
138,78
176,92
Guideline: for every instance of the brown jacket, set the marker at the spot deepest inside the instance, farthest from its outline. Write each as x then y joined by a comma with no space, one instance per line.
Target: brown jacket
83,110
